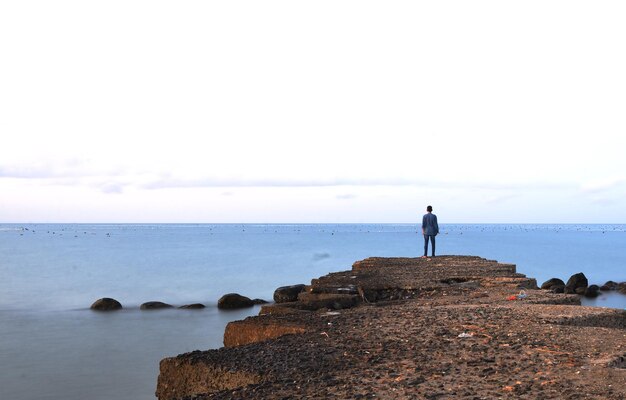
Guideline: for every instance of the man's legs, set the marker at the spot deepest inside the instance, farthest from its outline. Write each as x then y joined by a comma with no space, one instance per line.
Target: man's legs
425,245
432,242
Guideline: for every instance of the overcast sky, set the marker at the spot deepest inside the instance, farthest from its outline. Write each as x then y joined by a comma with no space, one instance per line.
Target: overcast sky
316,111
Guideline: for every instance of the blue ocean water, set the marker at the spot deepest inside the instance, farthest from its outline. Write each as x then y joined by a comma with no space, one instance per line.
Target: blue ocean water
52,346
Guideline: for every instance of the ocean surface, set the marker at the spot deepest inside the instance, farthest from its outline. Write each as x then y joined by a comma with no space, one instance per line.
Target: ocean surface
53,347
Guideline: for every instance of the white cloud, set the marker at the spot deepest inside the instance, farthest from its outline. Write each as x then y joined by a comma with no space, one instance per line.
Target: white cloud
116,178
603,201
602,185
112,188
44,169
502,199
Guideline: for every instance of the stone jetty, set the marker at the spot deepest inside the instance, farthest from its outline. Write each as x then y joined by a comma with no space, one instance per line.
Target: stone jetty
450,327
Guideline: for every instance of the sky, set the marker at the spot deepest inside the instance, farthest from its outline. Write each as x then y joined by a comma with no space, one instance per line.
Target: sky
312,111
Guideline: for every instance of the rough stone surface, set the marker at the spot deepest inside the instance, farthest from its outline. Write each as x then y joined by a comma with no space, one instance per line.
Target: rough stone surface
286,294
576,281
232,301
106,304
551,283
423,329
154,305
316,301
257,329
195,376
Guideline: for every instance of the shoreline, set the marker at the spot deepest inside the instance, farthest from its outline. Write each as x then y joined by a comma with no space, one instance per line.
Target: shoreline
406,327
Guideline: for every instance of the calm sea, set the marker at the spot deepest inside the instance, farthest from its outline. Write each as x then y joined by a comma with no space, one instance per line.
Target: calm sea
53,347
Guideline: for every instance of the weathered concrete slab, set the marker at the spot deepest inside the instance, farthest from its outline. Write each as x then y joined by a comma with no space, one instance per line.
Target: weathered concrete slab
438,329
252,330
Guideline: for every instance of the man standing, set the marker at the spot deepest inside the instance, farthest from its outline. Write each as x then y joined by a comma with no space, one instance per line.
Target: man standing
430,229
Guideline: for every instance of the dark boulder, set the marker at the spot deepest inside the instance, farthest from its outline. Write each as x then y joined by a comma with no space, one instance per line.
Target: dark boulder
622,287
259,301
610,285
592,291
194,306
551,283
106,304
558,289
285,294
576,281
154,305
232,301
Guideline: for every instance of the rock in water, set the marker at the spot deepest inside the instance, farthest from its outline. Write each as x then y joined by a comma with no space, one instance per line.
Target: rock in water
551,283
232,301
580,290
592,291
610,285
286,294
106,304
259,301
194,306
154,305
576,281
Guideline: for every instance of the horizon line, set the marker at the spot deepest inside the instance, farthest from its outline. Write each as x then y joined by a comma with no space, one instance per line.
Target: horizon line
314,223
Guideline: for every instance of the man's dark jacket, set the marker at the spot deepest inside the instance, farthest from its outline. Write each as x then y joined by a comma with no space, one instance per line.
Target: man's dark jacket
429,224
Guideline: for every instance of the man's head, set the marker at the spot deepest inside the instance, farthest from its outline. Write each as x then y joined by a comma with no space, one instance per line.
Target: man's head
429,208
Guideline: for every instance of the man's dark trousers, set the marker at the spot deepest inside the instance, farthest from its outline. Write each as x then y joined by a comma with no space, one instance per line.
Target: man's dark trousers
432,241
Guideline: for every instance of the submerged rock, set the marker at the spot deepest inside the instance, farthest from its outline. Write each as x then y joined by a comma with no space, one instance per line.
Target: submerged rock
609,285
550,284
259,301
576,281
106,304
194,306
285,294
154,305
232,301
